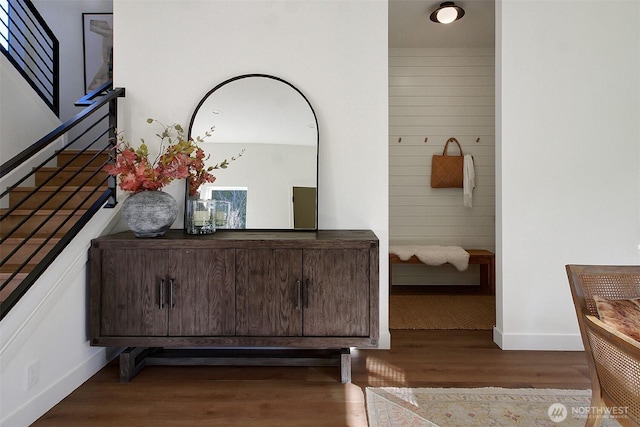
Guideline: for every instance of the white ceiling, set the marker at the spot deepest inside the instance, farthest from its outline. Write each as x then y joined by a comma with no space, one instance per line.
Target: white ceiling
409,25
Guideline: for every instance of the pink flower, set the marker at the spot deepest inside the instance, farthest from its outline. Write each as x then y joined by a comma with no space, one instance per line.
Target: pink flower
181,159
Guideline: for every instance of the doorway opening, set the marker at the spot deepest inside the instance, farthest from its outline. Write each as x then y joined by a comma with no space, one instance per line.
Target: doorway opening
441,85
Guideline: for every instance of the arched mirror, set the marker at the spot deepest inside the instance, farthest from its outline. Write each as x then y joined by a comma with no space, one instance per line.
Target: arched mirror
273,184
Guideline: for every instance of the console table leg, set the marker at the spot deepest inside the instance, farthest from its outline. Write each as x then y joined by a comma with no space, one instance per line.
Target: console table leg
132,360
345,365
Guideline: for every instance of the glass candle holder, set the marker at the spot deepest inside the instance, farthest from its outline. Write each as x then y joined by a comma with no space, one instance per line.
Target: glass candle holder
200,216
223,212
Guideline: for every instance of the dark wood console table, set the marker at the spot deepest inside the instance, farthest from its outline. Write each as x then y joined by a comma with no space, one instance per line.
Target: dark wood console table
275,292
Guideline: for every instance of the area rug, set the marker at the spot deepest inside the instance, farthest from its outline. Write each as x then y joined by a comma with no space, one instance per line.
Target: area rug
442,312
469,407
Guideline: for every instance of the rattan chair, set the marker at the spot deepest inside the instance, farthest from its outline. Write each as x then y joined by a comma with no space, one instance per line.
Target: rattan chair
614,358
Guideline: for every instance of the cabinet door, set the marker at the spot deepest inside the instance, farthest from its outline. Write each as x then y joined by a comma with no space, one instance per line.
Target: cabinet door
201,292
336,287
268,292
131,303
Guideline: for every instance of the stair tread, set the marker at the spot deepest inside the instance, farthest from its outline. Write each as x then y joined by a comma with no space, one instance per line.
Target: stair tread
74,151
20,276
46,216
68,168
56,188
10,268
37,238
42,212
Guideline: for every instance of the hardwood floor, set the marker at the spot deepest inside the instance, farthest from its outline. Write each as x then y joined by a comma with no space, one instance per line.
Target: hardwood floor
310,396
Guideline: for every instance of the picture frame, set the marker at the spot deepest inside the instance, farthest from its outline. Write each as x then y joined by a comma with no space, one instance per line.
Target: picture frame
235,200
97,43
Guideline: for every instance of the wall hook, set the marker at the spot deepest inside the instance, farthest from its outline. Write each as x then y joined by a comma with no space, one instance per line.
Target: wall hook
399,140
478,139
426,139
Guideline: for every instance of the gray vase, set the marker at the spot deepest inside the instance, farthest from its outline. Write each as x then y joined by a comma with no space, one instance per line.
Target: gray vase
149,213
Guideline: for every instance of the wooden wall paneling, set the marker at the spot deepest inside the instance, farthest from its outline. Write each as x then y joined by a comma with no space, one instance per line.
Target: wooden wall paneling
437,94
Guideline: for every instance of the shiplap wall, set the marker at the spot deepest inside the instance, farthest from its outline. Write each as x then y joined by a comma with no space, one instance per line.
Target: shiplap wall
438,94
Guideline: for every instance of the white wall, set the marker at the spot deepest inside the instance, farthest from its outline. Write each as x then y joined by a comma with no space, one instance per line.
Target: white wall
568,141
47,329
64,17
435,94
24,117
309,43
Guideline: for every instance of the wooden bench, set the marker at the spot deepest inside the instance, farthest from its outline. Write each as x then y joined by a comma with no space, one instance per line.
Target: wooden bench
486,260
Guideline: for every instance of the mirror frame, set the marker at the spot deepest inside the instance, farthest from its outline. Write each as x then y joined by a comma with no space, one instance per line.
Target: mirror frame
315,118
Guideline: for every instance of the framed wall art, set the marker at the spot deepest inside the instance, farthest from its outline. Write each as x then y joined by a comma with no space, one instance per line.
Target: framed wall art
97,42
231,205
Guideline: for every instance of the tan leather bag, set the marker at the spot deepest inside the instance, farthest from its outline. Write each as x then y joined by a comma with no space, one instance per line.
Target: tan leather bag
446,170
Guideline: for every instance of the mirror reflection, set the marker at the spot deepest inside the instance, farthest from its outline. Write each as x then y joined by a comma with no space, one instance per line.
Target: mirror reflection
273,184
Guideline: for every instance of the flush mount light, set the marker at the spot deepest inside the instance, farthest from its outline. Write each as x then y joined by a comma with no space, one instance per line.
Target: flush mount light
447,13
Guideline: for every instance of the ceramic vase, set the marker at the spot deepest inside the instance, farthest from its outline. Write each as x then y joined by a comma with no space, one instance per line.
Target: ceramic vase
149,213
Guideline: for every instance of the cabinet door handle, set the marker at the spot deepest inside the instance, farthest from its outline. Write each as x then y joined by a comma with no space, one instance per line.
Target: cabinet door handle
161,294
298,294
306,293
171,304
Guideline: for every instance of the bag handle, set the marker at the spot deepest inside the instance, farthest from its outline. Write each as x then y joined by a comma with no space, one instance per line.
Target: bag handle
446,146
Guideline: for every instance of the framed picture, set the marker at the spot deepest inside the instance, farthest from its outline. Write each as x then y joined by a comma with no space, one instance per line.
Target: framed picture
231,205
97,42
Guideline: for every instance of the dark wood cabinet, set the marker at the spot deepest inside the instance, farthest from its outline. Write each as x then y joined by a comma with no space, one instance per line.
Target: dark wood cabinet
336,292
240,288
130,297
201,299
268,292
166,292
308,292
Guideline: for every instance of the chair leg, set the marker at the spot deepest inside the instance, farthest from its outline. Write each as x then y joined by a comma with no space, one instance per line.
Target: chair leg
594,420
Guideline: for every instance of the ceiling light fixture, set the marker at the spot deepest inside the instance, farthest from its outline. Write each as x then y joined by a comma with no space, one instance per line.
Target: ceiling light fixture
447,13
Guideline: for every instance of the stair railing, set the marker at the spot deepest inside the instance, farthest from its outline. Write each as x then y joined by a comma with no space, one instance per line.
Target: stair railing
98,137
30,45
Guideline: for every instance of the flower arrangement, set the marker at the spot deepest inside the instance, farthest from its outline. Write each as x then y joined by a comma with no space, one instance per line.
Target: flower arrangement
182,158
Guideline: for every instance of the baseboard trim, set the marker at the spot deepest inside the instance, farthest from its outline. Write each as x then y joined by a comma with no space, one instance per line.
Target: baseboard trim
384,341
50,396
543,342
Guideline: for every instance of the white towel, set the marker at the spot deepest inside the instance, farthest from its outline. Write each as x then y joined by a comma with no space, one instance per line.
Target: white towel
468,180
433,255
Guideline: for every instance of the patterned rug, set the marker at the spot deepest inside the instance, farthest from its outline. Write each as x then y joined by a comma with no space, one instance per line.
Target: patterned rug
442,312
468,407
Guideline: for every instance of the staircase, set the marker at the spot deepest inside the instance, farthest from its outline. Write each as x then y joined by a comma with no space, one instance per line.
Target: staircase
38,217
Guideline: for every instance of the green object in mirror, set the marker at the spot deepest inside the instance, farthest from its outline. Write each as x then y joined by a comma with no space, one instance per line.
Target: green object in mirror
275,127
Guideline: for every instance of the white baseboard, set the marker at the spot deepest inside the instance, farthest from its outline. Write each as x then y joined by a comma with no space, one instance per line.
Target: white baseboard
50,396
384,341
546,342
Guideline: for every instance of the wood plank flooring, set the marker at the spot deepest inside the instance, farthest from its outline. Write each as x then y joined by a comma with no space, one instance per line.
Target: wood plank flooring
310,396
